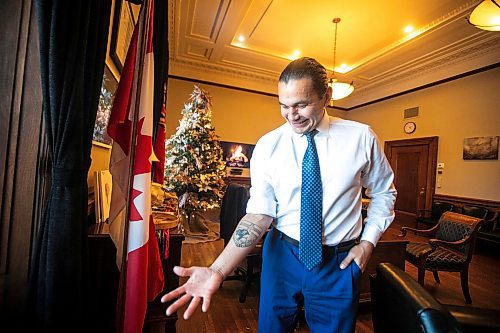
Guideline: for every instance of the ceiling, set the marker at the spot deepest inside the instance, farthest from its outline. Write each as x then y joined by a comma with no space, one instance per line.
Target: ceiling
377,55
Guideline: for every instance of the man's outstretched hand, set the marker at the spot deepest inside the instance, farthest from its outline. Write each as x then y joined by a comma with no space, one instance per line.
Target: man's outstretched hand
203,282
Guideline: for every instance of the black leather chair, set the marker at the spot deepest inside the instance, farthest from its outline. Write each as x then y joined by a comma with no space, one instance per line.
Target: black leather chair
438,208
399,304
474,211
233,208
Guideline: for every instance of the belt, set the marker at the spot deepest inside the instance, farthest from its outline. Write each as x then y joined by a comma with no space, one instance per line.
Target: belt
339,248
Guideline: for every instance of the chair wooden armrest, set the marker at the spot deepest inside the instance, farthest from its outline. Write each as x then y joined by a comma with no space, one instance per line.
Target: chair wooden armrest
491,222
454,245
493,218
430,231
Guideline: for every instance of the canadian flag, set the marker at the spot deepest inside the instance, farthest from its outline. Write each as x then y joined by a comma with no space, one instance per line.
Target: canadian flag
144,275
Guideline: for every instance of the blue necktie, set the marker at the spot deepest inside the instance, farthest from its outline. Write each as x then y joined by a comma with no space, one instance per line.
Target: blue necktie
311,207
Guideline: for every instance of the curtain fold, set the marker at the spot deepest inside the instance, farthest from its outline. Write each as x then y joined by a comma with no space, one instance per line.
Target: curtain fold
160,49
73,38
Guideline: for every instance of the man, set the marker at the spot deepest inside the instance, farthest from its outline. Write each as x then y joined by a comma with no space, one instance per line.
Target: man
307,177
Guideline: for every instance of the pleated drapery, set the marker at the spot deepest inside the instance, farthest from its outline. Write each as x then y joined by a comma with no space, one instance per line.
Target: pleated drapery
73,38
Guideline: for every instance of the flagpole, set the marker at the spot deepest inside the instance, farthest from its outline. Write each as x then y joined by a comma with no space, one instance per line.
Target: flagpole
138,82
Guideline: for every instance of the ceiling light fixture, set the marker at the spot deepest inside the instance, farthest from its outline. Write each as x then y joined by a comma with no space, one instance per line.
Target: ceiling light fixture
408,29
486,15
339,89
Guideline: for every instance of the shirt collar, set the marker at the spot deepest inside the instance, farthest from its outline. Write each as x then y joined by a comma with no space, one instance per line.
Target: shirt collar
324,125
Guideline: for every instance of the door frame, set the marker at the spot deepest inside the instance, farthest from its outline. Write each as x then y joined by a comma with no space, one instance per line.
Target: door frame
432,143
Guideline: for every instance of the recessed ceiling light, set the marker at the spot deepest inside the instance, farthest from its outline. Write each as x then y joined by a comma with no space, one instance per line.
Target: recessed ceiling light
241,38
408,29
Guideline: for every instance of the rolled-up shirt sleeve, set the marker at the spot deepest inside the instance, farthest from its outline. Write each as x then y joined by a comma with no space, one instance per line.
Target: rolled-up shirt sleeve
378,179
262,197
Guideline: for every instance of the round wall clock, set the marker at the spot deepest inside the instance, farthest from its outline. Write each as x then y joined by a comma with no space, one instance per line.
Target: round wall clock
410,127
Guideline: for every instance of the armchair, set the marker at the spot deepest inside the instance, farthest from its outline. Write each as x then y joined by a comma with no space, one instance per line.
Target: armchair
451,250
479,212
401,305
438,208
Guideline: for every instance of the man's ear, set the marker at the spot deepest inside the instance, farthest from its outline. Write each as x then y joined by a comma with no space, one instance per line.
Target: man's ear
328,96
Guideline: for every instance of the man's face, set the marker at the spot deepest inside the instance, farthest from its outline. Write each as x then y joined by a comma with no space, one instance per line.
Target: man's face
300,105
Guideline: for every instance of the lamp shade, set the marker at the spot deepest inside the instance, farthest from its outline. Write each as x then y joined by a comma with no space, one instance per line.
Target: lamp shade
340,89
486,16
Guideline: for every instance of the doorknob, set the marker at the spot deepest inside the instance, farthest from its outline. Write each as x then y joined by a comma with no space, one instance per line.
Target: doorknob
422,191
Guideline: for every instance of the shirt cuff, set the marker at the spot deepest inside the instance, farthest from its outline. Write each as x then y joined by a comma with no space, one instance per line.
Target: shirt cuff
372,234
261,206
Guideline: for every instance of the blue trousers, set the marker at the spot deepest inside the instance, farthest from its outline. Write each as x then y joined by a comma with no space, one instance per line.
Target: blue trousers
329,295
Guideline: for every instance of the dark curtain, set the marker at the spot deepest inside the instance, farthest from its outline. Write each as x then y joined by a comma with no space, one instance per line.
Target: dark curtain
160,49
73,37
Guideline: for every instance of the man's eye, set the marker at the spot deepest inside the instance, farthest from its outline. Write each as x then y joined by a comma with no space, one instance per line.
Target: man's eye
284,106
302,106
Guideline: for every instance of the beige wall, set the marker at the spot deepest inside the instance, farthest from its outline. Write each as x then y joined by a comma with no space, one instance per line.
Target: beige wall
452,111
462,108
236,115
100,161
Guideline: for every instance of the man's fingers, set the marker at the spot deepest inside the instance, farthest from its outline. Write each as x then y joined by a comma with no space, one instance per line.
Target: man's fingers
176,293
182,271
347,261
192,306
206,303
177,304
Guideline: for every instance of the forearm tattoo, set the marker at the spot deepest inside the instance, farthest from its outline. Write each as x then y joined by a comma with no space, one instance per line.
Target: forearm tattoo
246,234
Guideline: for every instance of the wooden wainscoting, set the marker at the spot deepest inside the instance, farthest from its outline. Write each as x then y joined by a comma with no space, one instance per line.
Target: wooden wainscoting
459,202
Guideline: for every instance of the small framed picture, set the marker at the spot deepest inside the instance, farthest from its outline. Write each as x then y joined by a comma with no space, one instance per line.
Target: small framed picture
121,34
481,148
108,89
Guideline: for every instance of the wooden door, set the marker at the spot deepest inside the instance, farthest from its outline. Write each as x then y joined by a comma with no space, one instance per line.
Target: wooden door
410,166
414,165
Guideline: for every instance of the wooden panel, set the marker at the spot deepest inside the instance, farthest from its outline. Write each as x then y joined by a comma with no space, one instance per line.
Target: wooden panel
103,282
246,181
392,251
9,26
10,22
20,174
493,206
156,320
406,182
427,169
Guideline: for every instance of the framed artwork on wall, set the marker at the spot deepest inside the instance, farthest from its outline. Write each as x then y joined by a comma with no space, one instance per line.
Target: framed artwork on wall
121,34
481,148
108,89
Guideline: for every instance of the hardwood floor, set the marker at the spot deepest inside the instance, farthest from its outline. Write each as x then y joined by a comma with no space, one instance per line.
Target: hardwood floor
226,314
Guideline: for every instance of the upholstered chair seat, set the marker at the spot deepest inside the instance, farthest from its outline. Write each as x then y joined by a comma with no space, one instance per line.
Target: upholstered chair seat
450,248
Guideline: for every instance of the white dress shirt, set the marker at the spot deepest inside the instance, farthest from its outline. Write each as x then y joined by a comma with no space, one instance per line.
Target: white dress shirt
350,157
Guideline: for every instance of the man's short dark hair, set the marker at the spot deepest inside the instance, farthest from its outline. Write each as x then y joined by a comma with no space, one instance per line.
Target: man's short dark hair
306,67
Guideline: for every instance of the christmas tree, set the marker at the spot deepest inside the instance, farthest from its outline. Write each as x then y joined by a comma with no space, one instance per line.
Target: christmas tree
194,167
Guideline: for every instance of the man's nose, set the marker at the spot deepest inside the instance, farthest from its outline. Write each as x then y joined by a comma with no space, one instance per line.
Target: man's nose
293,112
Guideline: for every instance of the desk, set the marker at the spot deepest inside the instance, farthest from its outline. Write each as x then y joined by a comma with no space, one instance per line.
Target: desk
104,280
388,249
